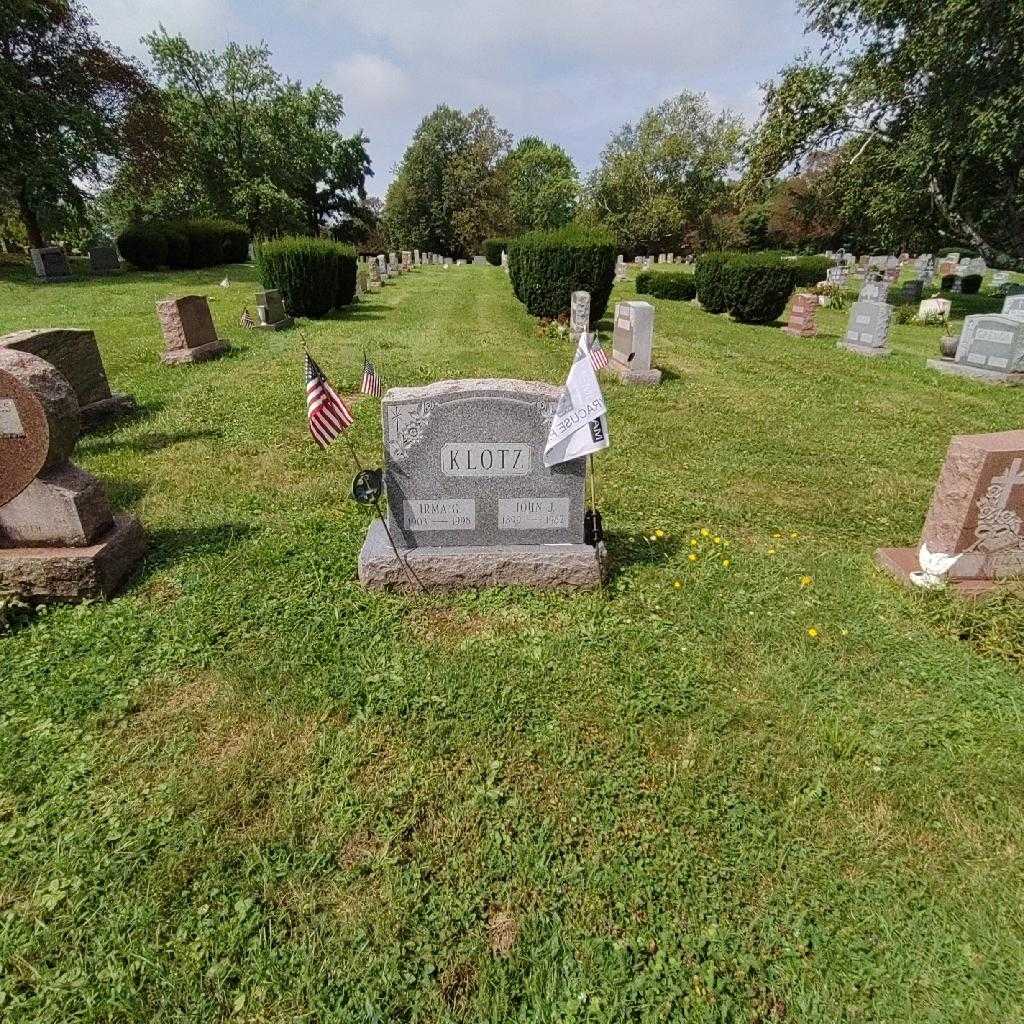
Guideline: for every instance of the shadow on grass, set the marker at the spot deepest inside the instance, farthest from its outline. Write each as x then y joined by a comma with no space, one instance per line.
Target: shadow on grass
168,547
626,550
358,311
149,443
112,424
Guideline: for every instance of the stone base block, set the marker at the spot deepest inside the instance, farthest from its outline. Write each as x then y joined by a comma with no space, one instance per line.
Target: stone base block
110,408
901,562
281,325
542,566
628,375
865,350
43,575
62,507
199,354
976,372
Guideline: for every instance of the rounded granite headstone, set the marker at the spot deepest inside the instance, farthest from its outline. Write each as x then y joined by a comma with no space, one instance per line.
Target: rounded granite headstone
39,420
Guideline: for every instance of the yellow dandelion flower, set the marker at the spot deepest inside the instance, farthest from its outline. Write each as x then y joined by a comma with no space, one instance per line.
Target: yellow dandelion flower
806,581
793,536
705,532
718,540
659,533
812,632
693,557
845,632
771,551
677,585
726,562
693,543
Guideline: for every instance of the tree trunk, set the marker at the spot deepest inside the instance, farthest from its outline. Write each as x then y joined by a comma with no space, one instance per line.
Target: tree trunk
965,229
29,218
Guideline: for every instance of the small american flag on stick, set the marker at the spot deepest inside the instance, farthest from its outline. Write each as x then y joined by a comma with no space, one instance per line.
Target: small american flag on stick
597,357
328,415
371,382
246,319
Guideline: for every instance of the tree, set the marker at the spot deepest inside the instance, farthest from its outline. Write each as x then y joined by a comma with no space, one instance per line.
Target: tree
928,95
446,196
665,178
64,94
247,144
541,187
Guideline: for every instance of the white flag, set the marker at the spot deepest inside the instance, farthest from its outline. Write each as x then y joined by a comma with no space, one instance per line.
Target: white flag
580,426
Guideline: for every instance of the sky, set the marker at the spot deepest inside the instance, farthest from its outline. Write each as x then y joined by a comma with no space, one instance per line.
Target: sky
569,71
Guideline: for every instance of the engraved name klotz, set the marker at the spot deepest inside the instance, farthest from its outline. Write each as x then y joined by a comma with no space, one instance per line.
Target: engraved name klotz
465,466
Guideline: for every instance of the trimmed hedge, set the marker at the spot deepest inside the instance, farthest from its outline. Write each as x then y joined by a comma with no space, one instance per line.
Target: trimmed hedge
810,270
184,245
757,288
666,284
708,277
546,267
314,275
493,248
143,245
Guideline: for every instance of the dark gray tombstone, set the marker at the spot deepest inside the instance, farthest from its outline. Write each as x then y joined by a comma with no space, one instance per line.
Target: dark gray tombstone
867,333
51,265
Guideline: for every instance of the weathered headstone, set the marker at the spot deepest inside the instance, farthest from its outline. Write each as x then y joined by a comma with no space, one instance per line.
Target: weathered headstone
479,261
51,265
867,333
632,344
59,539
803,317
991,349
1000,278
913,290
103,259
504,261
1013,306
189,334
73,352
974,533
873,291
270,310
470,501
931,308
837,276
362,279
579,314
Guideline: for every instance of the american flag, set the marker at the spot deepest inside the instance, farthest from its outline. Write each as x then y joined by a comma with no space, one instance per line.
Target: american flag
246,319
371,382
328,416
597,357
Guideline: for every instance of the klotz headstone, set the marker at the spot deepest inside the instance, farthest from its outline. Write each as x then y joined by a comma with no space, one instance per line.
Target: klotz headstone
189,334
470,501
103,259
579,315
803,322
991,349
632,344
76,357
867,333
51,264
270,310
974,533
59,539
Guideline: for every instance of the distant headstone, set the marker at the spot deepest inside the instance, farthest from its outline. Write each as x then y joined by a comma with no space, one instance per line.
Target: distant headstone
973,535
59,539
632,344
1013,306
579,314
504,261
913,290
73,352
51,265
1000,278
470,501
189,334
270,310
479,261
867,333
873,291
803,317
362,279
991,349
837,276
931,308
103,259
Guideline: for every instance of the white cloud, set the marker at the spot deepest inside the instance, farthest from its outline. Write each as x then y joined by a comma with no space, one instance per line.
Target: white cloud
370,83
205,23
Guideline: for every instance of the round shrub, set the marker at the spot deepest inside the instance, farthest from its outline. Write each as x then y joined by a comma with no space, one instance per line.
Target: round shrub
143,245
810,270
493,248
971,284
757,288
179,249
708,278
666,284
213,241
546,267
314,275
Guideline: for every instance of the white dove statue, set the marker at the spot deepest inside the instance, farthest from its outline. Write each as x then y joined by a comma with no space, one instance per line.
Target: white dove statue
225,283
935,568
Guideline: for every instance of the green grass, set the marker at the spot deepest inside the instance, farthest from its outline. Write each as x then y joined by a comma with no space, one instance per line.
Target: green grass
250,790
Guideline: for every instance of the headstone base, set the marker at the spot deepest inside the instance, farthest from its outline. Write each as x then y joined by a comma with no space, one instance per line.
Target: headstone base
628,375
542,566
281,325
976,372
902,562
41,575
115,406
865,350
798,332
199,354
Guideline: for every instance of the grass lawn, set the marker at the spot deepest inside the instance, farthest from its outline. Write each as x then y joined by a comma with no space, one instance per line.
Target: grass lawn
250,790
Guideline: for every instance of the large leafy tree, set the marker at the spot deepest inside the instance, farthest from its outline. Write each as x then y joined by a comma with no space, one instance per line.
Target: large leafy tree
447,196
928,95
64,97
664,180
244,142
541,186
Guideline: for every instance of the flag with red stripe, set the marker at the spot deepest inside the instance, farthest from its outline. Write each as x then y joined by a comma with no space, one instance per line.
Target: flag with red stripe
371,382
328,414
598,359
